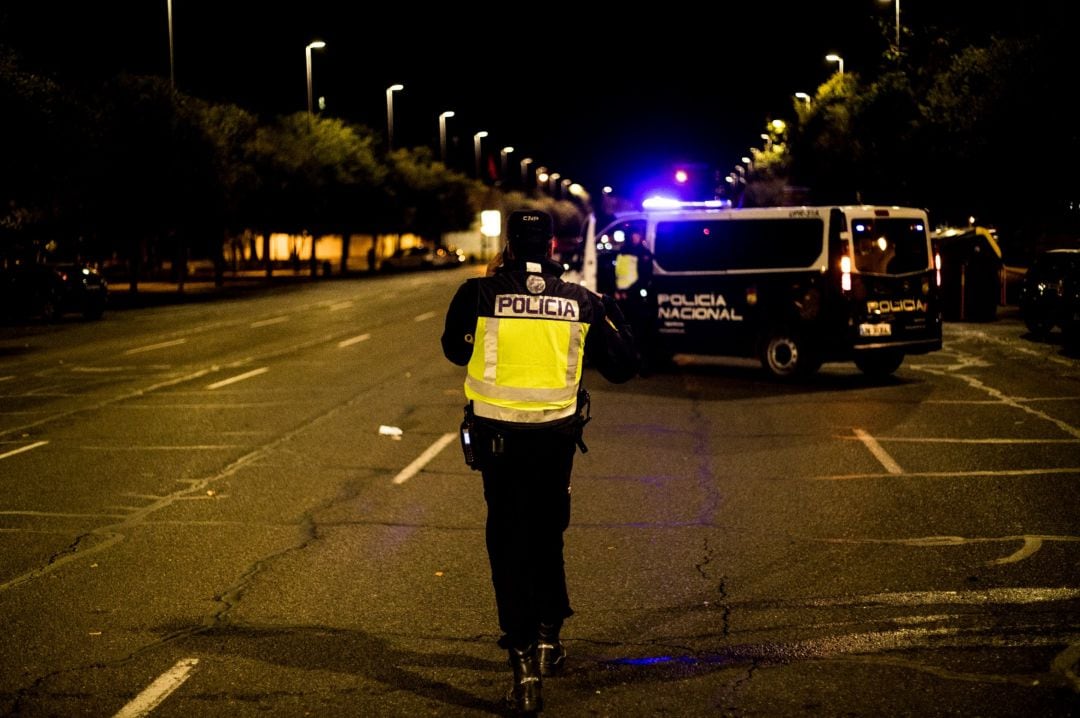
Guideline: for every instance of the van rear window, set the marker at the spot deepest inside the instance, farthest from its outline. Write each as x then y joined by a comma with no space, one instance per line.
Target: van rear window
720,245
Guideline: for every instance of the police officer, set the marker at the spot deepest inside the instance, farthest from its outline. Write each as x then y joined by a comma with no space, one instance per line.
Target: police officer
524,335
633,291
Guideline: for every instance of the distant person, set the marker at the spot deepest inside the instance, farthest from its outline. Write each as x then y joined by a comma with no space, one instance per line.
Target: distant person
524,335
633,291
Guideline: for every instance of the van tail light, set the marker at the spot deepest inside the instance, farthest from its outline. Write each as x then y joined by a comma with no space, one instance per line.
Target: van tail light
845,273
937,268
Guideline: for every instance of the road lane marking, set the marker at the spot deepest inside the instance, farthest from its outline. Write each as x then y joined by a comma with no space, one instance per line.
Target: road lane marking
353,340
965,361
159,690
424,317
1031,543
28,447
879,453
421,461
268,322
340,305
238,377
159,345
5,378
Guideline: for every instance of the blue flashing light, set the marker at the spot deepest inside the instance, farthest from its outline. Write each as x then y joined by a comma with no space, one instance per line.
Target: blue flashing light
658,202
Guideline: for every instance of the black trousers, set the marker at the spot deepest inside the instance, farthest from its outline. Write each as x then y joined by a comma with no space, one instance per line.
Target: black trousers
527,490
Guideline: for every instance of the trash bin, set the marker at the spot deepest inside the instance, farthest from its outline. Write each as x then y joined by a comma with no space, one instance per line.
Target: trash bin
971,273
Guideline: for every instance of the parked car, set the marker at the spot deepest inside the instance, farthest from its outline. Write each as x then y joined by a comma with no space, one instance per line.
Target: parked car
423,257
48,291
1050,293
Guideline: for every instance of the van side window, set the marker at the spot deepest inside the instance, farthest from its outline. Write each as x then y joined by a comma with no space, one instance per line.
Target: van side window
719,245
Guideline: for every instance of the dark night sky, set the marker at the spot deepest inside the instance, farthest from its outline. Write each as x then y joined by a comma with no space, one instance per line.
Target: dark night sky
600,93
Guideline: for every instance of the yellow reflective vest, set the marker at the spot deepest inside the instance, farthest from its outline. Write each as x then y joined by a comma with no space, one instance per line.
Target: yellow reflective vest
529,347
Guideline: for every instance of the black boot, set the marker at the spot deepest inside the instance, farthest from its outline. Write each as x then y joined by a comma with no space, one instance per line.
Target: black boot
525,695
550,649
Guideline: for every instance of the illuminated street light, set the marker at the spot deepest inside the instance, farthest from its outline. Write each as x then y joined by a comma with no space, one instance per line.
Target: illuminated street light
553,182
317,45
502,160
476,149
833,57
803,97
390,114
442,133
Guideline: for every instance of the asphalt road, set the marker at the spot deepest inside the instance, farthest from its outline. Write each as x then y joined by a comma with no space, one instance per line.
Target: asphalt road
201,514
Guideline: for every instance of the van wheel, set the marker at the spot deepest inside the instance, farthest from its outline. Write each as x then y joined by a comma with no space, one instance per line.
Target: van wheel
879,363
786,355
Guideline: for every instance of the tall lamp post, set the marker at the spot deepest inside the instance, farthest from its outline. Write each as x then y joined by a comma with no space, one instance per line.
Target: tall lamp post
476,149
172,70
838,60
897,41
390,114
317,45
502,160
442,133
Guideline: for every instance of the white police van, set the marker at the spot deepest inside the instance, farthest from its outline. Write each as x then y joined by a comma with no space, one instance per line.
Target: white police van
792,286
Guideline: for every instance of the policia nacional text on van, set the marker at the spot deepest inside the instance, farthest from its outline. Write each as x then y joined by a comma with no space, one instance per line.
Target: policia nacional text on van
524,335
792,286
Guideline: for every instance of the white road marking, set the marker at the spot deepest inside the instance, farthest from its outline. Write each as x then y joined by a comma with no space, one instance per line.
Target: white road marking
159,345
35,445
1031,543
159,690
423,317
5,378
238,377
340,305
354,340
421,461
879,453
268,322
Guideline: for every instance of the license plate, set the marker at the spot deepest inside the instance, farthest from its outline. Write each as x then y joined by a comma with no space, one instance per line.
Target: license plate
875,330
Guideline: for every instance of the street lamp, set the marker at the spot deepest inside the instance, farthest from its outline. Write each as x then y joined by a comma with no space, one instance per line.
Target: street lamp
525,162
803,97
172,70
476,148
502,160
897,3
390,114
553,182
317,45
837,59
442,133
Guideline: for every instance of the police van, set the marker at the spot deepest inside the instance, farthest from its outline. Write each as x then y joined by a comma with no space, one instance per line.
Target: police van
791,286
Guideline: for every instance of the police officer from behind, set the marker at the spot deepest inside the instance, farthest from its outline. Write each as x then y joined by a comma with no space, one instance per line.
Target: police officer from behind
524,335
